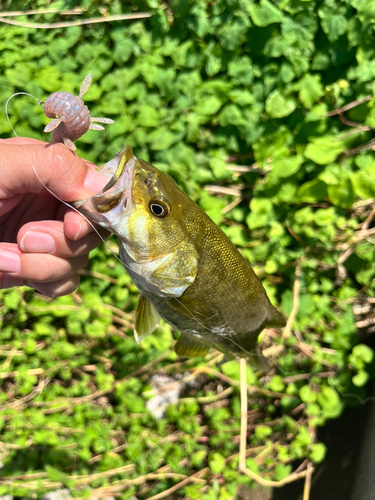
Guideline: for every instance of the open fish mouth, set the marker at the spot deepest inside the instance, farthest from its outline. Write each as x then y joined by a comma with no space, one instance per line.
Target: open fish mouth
114,200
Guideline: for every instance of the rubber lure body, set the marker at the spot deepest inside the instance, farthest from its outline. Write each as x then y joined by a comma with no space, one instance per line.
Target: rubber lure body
72,117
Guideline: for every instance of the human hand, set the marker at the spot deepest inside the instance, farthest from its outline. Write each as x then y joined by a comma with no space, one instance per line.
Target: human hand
43,243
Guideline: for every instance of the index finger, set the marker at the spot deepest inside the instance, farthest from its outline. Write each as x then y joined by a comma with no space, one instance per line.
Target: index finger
27,168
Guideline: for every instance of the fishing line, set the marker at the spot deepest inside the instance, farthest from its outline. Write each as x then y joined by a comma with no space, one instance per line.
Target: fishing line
42,183
88,220
64,202
355,396
212,331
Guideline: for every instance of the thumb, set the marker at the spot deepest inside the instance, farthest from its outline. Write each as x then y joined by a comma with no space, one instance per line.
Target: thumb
61,170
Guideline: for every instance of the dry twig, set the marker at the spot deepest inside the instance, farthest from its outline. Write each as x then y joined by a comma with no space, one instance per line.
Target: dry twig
243,434
348,106
224,190
296,292
15,13
68,24
307,486
100,276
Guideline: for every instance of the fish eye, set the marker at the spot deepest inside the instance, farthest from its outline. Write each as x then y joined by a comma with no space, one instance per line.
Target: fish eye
159,208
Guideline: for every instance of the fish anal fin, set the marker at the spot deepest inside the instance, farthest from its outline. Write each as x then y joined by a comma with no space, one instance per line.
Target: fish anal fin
146,319
187,346
257,360
276,319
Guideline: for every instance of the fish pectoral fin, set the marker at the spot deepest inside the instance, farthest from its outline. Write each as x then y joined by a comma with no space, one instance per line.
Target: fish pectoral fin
179,269
276,319
146,319
187,346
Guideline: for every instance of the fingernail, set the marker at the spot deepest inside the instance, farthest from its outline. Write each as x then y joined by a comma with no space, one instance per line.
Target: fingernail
9,262
94,181
33,241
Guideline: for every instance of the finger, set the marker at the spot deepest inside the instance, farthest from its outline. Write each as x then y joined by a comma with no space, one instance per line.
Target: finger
54,289
77,227
8,205
48,237
39,267
29,140
7,281
27,168
22,140
57,288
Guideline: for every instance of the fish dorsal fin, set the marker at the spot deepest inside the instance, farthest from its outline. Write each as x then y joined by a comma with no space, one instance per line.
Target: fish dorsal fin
178,270
146,319
275,319
187,346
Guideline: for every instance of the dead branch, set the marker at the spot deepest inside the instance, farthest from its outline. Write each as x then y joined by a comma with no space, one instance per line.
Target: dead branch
348,106
68,24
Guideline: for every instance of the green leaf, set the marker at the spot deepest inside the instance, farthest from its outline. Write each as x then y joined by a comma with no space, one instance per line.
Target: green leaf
208,105
310,90
312,191
307,394
285,167
328,398
13,298
162,139
233,34
231,115
282,471
123,50
261,213
213,65
279,106
276,384
241,70
342,194
262,431
317,452
241,97
217,463
363,184
324,150
364,352
264,14
333,25
96,329
20,75
147,116
361,378
193,491
365,8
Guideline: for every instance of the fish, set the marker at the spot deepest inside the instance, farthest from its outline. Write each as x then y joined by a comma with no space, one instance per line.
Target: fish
187,270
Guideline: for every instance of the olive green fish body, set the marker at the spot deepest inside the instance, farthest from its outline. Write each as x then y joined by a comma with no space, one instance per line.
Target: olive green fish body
186,268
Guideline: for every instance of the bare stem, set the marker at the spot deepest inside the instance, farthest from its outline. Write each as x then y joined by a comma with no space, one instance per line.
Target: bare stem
68,24
243,434
307,487
348,106
296,292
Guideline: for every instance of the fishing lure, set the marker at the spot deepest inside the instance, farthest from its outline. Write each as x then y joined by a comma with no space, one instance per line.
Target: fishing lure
72,118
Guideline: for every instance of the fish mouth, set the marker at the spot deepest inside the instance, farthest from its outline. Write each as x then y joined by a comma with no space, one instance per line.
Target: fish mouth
115,199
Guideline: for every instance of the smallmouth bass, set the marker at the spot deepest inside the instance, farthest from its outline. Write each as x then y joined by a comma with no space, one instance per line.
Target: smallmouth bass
187,270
